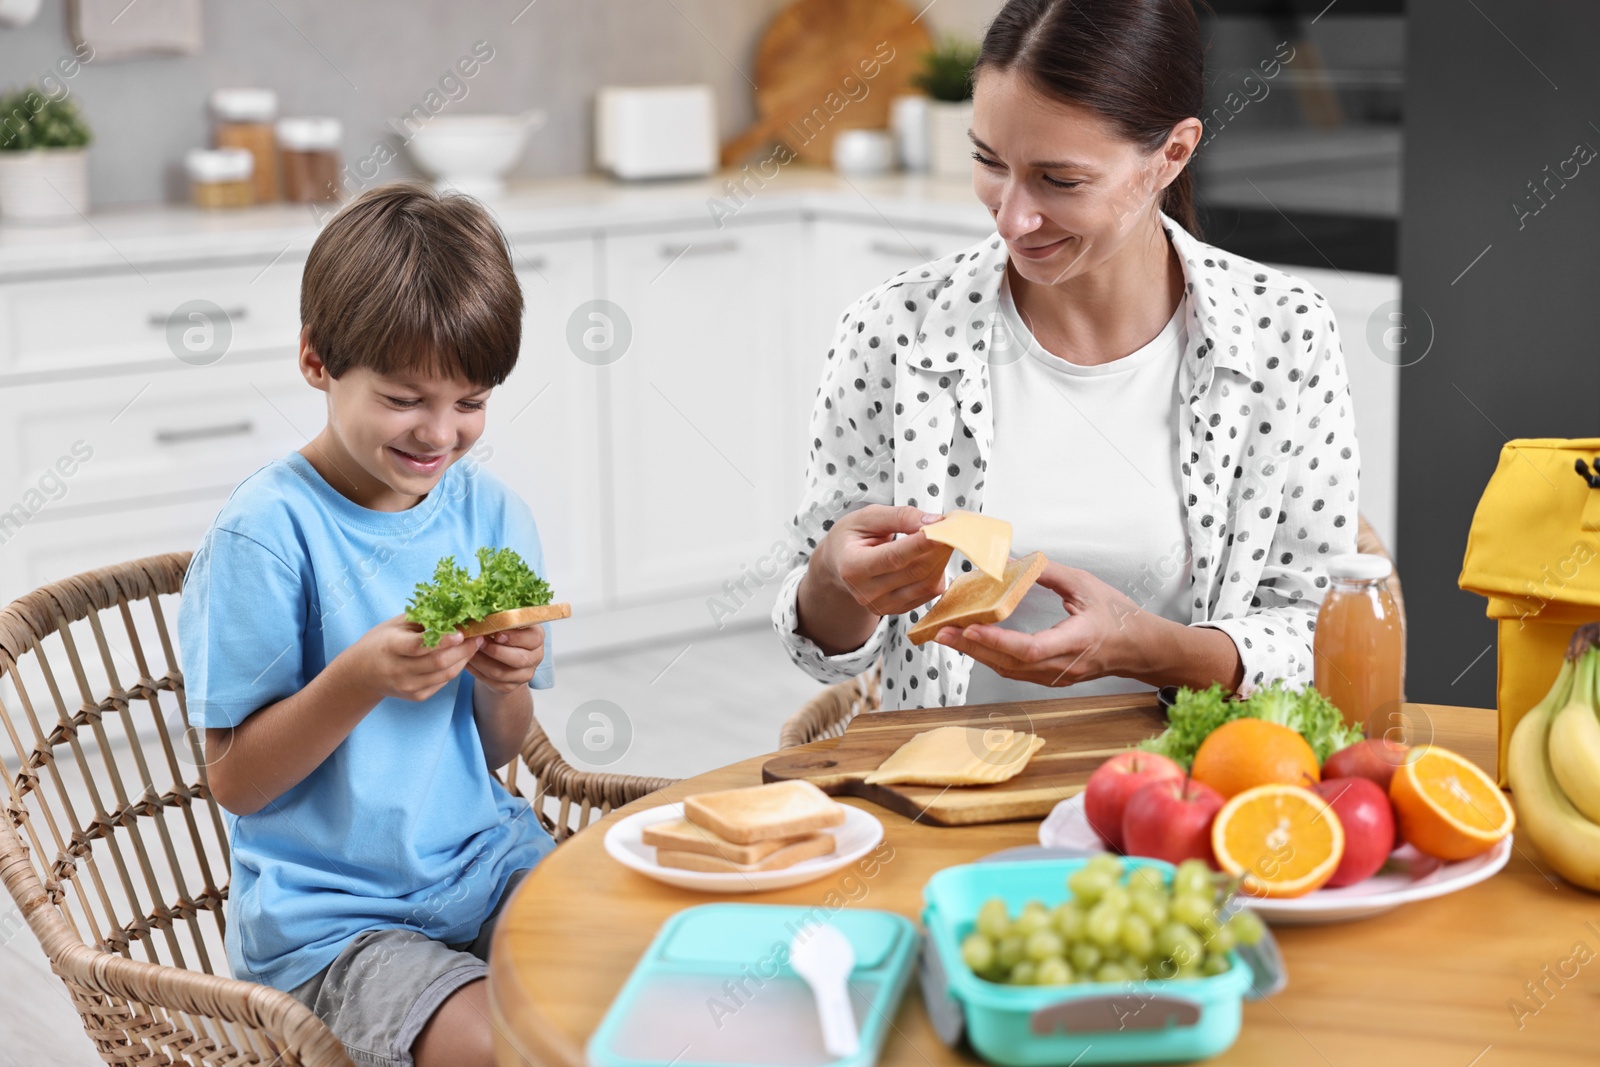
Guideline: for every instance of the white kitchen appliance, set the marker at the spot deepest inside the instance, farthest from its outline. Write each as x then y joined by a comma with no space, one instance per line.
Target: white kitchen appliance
660,131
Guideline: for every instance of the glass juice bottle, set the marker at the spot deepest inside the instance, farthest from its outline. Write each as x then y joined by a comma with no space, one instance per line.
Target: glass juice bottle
1359,644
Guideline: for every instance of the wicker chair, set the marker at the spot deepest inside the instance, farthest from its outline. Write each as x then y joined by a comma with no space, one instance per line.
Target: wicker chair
829,712
113,848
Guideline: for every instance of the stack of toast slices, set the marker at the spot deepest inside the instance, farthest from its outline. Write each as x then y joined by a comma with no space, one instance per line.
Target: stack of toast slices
738,831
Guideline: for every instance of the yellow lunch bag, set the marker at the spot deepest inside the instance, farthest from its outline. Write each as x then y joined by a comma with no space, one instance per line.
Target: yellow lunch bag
1534,551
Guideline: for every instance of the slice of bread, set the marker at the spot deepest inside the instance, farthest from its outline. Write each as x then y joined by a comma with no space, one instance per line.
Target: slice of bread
791,853
514,619
764,812
977,598
681,835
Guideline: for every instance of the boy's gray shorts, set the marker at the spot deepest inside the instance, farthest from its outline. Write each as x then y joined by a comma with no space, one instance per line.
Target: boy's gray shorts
381,990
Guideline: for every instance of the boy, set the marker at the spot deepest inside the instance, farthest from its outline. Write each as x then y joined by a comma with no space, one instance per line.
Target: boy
372,849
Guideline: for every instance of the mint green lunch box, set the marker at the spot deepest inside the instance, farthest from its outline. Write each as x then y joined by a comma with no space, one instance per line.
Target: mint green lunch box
1150,1021
715,988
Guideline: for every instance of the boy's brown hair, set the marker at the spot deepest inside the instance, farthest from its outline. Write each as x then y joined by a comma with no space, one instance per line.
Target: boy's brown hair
406,281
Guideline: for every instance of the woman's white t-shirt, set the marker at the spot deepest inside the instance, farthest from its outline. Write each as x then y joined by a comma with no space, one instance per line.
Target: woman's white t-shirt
1085,467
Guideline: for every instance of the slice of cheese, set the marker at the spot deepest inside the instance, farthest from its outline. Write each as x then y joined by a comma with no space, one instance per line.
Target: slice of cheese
958,755
985,540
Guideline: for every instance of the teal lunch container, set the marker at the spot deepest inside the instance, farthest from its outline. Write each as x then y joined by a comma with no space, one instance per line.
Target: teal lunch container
716,987
1146,1021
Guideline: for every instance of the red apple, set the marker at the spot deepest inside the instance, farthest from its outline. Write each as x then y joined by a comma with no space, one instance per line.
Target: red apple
1369,827
1171,820
1114,781
1375,759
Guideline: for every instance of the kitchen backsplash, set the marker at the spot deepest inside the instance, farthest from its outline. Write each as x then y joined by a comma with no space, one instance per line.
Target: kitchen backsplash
371,63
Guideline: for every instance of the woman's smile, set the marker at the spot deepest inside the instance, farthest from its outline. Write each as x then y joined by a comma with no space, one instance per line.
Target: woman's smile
1038,251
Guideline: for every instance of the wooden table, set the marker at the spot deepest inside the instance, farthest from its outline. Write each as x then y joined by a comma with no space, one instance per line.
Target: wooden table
1429,983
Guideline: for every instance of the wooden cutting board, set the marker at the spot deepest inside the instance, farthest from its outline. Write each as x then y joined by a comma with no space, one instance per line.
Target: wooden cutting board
803,62
1079,734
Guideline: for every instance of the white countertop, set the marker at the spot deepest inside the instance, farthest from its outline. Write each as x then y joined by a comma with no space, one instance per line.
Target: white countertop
121,239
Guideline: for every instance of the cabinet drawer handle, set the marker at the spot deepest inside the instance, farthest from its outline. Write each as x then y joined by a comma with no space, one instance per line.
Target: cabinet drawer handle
713,249
158,319
898,251
225,429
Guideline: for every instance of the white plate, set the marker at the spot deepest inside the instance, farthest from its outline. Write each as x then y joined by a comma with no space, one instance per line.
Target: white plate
1406,876
855,837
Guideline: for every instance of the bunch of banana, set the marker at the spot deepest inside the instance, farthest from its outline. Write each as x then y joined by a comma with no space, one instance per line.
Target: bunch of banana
1553,764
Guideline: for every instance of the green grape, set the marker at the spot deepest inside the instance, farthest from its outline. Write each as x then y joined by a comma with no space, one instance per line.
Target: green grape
1118,897
1105,861
1149,878
1085,956
1102,924
1138,937
1112,972
1193,876
1163,967
1215,964
1031,921
978,952
1247,928
1190,910
1088,884
1151,904
1008,951
1069,920
1191,971
1042,944
994,921
1179,943
1023,973
1222,938
1053,971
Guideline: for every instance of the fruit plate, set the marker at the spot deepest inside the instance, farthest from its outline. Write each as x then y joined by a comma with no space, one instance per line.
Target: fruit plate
855,837
1407,875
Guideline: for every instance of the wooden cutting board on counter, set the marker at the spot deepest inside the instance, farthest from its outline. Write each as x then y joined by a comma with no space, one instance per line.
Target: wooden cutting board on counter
1079,734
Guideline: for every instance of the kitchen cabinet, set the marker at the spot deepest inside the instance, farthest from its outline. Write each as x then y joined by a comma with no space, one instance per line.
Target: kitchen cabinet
545,429
702,477
98,467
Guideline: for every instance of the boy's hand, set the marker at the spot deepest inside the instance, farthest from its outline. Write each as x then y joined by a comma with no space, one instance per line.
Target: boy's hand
508,659
391,659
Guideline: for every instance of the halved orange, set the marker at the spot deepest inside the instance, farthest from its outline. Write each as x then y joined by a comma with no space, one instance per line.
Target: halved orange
1448,807
1283,840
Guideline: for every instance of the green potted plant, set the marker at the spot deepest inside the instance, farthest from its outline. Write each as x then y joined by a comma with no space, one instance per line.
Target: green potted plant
946,76
44,162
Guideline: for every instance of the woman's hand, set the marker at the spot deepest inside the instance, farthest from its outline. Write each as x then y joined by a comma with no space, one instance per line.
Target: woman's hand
861,571
1105,632
1095,639
508,659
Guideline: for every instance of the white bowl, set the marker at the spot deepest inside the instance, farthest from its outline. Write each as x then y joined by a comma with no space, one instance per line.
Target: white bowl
472,153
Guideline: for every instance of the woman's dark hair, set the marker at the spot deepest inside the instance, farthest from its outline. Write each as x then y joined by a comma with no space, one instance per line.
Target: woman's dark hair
1138,63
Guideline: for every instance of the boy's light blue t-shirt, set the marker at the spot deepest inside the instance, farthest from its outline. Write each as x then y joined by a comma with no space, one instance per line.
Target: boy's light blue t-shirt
402,826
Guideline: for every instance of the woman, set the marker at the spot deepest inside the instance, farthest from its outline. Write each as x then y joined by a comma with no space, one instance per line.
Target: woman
1171,425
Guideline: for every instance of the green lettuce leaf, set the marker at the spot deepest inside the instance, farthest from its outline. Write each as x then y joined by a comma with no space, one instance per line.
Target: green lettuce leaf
1195,714
504,581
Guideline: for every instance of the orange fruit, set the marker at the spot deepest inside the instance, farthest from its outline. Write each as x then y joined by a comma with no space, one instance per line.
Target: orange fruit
1448,807
1245,753
1284,841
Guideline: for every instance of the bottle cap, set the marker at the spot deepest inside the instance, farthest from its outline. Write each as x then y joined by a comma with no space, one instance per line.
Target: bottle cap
219,164
310,134
1360,567
244,105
